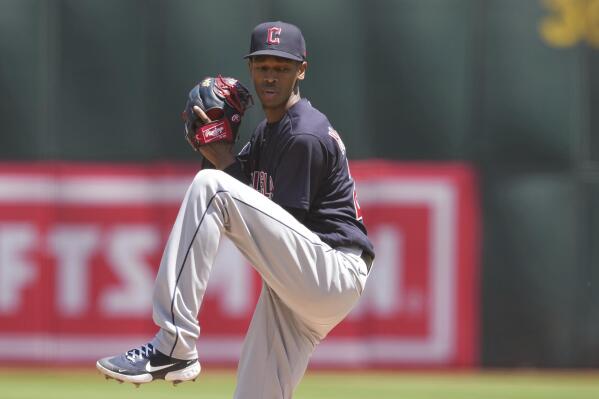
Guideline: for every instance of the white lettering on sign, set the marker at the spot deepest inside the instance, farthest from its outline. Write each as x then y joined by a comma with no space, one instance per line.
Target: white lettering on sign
128,248
73,247
17,269
124,250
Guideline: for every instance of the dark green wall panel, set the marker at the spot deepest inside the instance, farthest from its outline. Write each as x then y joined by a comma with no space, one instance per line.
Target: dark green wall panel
102,99
418,73
532,270
589,292
530,91
21,77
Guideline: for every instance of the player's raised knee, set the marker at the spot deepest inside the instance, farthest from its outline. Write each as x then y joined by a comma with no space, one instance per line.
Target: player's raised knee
207,176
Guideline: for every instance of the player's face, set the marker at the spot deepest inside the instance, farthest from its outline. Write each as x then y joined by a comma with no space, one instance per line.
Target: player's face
274,79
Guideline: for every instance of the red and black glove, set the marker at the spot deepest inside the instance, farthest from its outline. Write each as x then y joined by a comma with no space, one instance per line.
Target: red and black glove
224,100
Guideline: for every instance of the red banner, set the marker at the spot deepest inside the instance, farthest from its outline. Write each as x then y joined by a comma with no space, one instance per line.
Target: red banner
80,245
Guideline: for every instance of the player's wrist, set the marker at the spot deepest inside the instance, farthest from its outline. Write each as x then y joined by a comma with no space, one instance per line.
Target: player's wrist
222,165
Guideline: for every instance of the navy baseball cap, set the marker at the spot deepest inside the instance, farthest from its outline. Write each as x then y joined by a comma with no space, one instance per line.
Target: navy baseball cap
279,39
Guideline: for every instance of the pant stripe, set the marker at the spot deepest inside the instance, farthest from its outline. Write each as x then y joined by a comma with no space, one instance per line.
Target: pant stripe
181,272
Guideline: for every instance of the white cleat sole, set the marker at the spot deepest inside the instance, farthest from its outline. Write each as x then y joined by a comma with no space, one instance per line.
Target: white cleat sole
190,372
136,379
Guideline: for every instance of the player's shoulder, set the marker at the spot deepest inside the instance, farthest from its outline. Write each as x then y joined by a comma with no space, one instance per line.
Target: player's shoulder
305,119
309,122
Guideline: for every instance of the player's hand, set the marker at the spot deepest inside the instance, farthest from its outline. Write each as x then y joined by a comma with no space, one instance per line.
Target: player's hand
219,153
201,114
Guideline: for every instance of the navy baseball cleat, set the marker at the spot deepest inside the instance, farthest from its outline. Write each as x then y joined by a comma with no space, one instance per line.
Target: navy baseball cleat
145,364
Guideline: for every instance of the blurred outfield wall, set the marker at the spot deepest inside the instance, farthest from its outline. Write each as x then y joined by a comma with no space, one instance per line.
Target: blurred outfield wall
510,86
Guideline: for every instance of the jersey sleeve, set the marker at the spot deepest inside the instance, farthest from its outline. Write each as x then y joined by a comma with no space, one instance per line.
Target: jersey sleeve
299,171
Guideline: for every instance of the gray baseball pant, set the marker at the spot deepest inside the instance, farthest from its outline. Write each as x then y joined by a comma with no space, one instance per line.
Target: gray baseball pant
308,287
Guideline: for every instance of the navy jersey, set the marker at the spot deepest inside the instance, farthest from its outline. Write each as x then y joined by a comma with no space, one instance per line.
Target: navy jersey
300,163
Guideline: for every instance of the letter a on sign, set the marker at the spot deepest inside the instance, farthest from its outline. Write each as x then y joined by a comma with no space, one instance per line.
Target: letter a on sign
273,35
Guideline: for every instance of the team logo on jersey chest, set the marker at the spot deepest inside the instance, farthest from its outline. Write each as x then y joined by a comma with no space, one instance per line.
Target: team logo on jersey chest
263,183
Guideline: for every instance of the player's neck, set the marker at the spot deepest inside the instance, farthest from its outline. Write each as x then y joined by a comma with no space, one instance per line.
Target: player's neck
273,115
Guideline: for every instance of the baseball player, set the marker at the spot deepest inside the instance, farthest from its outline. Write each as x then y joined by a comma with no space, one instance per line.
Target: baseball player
288,202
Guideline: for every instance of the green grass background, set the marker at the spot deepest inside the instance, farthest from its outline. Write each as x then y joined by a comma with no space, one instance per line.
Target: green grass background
28,383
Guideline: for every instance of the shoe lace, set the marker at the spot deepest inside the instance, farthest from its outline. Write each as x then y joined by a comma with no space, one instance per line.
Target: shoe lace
143,352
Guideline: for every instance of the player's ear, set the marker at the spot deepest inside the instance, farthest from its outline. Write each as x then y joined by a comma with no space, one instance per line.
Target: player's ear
301,73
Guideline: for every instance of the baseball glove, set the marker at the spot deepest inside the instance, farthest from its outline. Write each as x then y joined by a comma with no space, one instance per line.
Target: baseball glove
224,100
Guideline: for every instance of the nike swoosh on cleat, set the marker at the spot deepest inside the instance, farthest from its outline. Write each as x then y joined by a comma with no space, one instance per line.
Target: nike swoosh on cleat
151,369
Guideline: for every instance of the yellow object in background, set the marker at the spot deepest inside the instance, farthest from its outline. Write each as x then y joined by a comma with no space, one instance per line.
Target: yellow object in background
571,22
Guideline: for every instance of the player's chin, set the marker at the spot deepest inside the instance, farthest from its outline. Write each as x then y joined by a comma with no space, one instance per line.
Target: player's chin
267,96
269,102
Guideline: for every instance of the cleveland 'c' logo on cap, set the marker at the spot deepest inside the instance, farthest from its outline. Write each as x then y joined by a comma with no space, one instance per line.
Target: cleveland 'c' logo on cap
273,35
